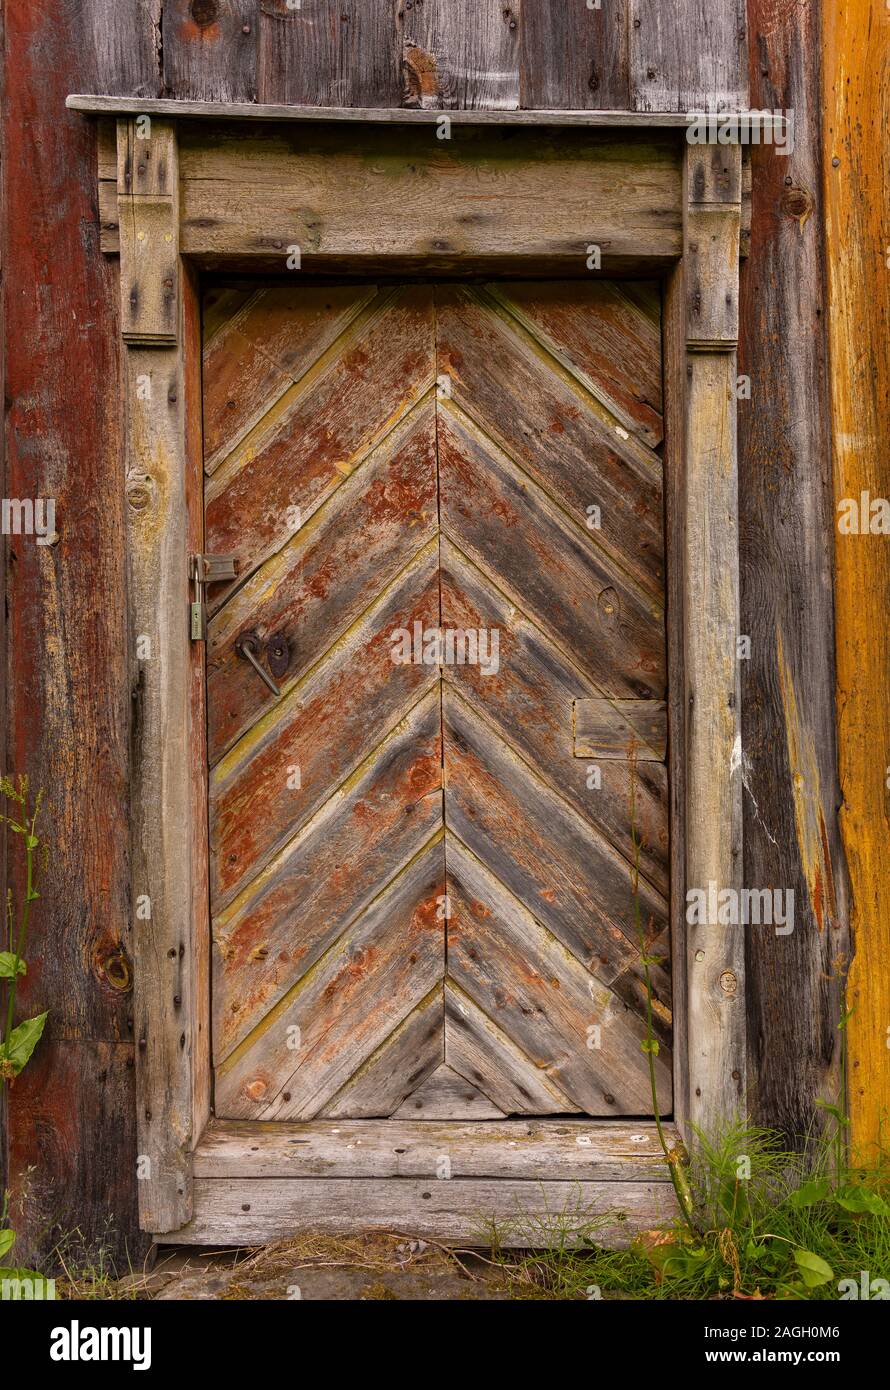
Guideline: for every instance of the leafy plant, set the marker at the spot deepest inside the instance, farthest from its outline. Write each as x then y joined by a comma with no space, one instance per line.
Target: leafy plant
17,1043
674,1156
790,1230
7,1241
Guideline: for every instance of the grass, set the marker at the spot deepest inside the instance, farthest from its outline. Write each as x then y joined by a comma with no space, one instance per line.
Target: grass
768,1223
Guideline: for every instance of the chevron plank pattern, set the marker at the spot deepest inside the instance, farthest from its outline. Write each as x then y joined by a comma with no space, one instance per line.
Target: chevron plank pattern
421,898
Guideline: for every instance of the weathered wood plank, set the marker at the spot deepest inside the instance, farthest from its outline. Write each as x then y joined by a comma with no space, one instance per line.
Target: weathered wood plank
483,1053
460,53
210,49
109,218
106,149
626,729
715,952
194,831
529,702
747,204
554,429
114,48
791,835
319,431
524,544
221,303
323,731
713,175
71,1114
250,198
762,121
715,946
688,56
316,587
327,875
855,50
148,205
106,165
574,55
602,332
164,515
266,345
712,306
464,1211
73,1130
675,385
404,1060
328,53
445,1095
597,1150
380,969
556,1008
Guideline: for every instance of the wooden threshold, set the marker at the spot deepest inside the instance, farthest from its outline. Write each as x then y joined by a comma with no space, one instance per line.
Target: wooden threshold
531,1179
763,121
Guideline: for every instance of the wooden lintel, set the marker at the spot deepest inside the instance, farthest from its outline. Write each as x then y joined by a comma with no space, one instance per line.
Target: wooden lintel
353,201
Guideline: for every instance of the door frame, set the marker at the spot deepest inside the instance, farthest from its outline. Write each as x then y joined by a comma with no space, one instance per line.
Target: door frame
178,196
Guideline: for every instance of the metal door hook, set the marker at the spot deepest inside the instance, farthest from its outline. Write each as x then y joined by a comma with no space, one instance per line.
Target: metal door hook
246,647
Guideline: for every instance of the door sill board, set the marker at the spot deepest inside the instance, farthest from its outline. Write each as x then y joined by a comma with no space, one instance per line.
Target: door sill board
533,1180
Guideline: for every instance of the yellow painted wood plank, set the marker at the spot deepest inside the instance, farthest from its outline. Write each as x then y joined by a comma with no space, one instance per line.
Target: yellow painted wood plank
856,56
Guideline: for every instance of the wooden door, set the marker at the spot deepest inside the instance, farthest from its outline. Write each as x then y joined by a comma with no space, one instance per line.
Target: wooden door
446,503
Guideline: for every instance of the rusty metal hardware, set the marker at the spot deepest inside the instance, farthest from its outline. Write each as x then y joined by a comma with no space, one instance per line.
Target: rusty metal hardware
246,647
278,655
204,570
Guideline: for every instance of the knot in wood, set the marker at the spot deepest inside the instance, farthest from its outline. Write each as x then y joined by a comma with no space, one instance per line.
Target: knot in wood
205,12
139,494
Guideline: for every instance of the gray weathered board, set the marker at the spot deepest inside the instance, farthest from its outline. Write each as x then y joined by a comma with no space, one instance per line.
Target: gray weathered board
634,54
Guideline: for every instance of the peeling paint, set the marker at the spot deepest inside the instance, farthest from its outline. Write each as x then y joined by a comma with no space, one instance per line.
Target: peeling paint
806,792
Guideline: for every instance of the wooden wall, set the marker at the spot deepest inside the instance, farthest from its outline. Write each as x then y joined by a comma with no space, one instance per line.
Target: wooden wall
72,1112
72,1117
791,836
642,55
856,172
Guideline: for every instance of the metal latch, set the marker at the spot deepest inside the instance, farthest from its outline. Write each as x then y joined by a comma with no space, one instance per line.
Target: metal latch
247,647
204,570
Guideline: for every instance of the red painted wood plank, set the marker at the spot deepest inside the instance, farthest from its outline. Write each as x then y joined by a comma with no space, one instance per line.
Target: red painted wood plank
310,592
72,1113
326,728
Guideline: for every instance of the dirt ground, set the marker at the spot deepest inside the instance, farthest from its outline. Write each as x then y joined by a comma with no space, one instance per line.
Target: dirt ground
368,1267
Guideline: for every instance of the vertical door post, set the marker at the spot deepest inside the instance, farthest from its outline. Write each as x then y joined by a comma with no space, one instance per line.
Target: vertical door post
159,330
715,946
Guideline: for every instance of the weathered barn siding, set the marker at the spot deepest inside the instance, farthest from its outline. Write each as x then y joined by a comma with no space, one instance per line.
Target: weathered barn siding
639,55
72,1112
856,46
791,835
72,1116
